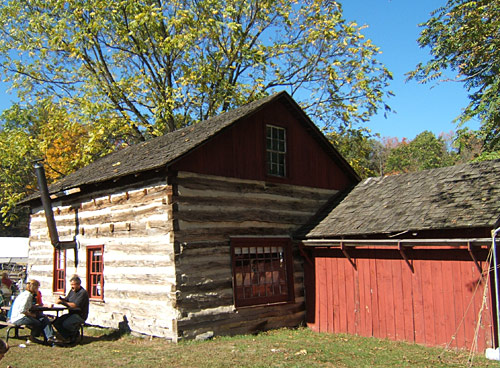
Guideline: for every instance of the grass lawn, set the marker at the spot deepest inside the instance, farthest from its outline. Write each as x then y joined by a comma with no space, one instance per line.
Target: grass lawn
280,348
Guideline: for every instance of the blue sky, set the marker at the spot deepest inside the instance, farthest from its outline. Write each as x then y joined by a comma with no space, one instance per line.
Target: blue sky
393,26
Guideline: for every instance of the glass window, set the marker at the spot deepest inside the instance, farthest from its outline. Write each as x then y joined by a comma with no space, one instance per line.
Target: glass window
276,150
262,271
95,278
59,278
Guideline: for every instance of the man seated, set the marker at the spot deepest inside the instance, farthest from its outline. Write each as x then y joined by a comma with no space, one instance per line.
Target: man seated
21,313
68,325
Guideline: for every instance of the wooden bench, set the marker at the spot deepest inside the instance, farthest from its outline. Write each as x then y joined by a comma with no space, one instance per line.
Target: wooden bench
16,329
11,326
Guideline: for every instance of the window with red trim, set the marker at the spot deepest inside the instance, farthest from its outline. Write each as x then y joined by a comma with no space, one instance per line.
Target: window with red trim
95,278
59,279
262,271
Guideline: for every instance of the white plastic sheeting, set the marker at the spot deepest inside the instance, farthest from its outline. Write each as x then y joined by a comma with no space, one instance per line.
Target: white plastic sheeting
14,250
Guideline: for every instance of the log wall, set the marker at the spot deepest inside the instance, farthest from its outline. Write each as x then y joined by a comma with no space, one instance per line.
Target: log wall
167,264
135,226
208,210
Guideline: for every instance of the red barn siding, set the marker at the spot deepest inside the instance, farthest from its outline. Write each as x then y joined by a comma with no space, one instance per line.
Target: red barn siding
437,304
239,152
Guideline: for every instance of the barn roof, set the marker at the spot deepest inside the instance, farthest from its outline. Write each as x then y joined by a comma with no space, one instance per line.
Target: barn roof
461,196
162,151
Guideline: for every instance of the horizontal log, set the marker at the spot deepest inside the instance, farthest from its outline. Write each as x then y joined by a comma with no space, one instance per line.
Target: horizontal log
142,195
152,262
129,214
222,202
186,306
237,215
142,230
205,182
141,295
211,260
135,279
204,285
213,287
189,251
150,247
147,227
224,323
223,234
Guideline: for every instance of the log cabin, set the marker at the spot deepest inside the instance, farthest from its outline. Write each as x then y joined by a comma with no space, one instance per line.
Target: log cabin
408,257
189,235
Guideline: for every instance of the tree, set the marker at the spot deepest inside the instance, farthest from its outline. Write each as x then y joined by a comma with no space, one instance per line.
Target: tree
15,150
468,146
463,36
41,132
424,152
363,153
156,65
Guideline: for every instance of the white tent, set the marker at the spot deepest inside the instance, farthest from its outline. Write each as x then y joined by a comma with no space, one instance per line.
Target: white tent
14,250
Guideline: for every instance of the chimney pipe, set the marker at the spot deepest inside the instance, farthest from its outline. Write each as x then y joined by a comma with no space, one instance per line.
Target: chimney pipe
46,203
49,214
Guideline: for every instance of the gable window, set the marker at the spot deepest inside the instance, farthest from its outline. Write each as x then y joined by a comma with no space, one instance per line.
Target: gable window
59,278
262,271
276,150
95,278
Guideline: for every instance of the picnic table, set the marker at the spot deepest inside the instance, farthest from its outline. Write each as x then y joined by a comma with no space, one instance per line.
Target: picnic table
58,308
52,308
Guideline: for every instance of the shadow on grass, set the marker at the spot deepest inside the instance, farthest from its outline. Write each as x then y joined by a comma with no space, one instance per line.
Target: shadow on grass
89,339
113,336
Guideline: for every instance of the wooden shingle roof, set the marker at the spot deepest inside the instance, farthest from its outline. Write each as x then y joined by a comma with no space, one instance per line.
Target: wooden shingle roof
462,196
163,151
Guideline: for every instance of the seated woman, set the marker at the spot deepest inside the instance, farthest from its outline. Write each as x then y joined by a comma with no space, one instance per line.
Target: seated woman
6,287
21,313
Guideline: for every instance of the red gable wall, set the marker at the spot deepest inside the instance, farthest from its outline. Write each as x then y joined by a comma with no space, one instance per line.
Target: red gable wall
239,152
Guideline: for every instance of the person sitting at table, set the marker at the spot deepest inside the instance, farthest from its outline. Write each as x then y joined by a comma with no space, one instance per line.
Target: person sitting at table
38,298
37,302
77,300
6,287
21,313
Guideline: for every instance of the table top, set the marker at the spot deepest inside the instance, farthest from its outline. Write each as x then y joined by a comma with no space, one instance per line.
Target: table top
55,307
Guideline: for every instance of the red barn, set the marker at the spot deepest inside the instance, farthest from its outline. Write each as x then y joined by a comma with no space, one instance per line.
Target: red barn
407,257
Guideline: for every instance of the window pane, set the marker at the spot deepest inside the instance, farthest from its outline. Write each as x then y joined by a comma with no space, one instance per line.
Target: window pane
260,274
59,275
276,150
95,272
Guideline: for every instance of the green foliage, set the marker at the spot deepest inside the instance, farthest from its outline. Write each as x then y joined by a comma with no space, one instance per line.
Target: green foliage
44,132
157,65
364,154
372,157
424,152
463,36
94,75
469,146
16,150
